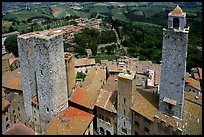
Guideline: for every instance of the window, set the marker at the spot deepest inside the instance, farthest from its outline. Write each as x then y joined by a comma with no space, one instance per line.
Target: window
136,123
176,23
102,117
108,132
106,119
169,106
124,123
35,119
136,114
6,118
14,122
14,116
124,130
189,89
146,130
18,109
124,112
147,120
47,109
7,125
13,111
101,131
34,111
124,101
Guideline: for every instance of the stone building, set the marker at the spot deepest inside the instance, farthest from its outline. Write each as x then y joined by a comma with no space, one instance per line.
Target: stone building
174,54
43,73
70,72
126,89
13,105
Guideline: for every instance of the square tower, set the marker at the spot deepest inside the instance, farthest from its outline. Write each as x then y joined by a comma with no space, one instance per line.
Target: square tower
174,55
43,72
126,89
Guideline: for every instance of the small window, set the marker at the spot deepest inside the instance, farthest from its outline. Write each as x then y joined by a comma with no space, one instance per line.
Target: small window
124,101
136,114
124,130
7,118
106,119
146,130
14,122
124,112
14,116
7,125
18,109
47,109
34,111
13,111
124,123
102,117
189,89
147,120
35,119
169,106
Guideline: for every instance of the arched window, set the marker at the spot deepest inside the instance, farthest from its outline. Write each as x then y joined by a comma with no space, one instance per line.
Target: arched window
176,23
101,131
108,132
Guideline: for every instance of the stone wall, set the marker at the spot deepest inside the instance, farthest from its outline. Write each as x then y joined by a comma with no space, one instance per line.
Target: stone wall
174,55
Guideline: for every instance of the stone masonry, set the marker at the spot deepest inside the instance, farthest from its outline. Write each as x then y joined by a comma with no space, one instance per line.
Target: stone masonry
43,74
174,55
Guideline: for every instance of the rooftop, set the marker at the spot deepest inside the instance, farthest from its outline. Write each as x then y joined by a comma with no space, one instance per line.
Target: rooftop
84,62
46,34
194,83
35,100
104,101
10,33
19,129
5,103
146,104
70,121
128,75
87,94
12,80
177,11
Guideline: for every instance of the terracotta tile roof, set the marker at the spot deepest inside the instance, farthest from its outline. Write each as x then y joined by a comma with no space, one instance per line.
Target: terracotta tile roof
112,66
142,66
4,51
177,11
71,121
88,51
192,97
12,80
111,83
19,129
105,102
87,94
84,62
12,60
5,103
146,104
194,83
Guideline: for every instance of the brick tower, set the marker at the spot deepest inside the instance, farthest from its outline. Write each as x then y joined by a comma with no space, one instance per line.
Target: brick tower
126,89
174,54
43,72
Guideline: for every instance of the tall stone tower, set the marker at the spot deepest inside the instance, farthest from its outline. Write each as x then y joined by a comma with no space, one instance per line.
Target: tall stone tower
174,55
126,89
43,72
70,71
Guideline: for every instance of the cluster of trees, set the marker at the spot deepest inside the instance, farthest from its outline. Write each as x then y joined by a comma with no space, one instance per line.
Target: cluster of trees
11,45
144,42
91,38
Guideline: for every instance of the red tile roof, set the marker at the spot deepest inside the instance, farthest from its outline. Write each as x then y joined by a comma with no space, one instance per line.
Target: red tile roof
71,121
20,129
194,83
12,80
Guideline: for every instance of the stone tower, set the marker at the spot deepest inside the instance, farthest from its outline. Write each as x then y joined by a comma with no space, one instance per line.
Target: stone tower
43,72
70,71
174,54
126,89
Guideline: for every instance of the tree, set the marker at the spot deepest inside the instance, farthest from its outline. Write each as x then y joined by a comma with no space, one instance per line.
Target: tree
11,29
11,45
